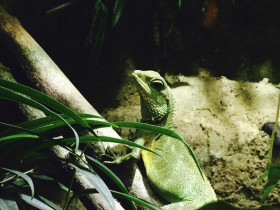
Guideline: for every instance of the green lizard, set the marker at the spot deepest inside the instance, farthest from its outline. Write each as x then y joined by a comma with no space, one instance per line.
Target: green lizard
174,174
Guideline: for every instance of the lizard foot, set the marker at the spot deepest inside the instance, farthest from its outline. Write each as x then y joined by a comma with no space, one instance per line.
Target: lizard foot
120,154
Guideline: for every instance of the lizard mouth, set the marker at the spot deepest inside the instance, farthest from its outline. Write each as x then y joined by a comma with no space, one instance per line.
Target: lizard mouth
143,87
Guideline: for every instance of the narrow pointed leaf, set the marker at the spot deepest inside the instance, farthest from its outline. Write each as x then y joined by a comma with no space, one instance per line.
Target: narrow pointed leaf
18,136
8,204
10,95
96,37
25,177
49,203
136,200
111,175
34,202
43,98
33,156
99,184
49,179
45,124
179,4
87,139
59,8
17,128
273,180
117,12
118,194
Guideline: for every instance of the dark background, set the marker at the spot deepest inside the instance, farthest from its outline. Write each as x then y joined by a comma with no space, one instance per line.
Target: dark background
236,38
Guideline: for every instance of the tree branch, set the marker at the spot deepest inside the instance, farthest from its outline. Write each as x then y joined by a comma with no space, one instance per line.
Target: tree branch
43,74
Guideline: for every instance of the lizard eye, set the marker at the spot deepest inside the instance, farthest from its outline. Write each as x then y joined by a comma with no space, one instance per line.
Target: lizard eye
157,84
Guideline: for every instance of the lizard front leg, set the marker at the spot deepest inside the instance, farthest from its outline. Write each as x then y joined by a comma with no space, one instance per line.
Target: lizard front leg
120,154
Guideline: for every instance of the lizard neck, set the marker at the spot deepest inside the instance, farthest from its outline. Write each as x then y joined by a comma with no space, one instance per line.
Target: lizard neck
166,121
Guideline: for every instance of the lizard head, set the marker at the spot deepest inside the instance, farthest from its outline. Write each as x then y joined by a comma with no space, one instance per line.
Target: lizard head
155,95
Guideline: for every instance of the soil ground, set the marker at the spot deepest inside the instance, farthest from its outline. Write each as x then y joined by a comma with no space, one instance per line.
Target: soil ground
221,119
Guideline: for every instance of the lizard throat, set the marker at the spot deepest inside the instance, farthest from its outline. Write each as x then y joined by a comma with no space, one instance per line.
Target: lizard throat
152,113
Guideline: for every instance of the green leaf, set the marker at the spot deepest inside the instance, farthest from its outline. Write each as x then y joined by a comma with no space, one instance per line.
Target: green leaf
25,177
272,170
117,12
57,128
98,183
8,204
44,121
20,182
111,175
87,139
60,7
179,4
52,143
49,203
43,98
10,95
265,173
273,180
136,200
96,37
18,136
33,156
51,127
161,130
45,178
34,202
17,128
149,127
117,194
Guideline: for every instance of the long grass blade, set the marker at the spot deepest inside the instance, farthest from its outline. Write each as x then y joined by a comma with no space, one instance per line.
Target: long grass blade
5,93
43,98
111,175
96,37
136,200
19,136
117,12
8,203
47,123
17,128
49,203
117,194
25,177
88,139
34,202
99,184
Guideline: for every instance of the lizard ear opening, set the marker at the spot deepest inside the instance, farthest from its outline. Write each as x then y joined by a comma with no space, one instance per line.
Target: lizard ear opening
157,84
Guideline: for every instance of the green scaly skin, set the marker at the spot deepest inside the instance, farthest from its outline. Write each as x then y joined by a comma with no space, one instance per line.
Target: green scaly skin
174,174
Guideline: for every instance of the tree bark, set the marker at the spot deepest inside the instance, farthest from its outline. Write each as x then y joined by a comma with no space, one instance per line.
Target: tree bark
44,74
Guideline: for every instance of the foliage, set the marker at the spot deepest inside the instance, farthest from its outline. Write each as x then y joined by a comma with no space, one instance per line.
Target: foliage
272,171
54,130
43,134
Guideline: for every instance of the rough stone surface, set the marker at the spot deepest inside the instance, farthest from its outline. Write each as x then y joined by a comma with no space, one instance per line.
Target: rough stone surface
221,120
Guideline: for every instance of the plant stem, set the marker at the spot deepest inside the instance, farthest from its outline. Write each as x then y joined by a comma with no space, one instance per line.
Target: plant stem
273,131
67,199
